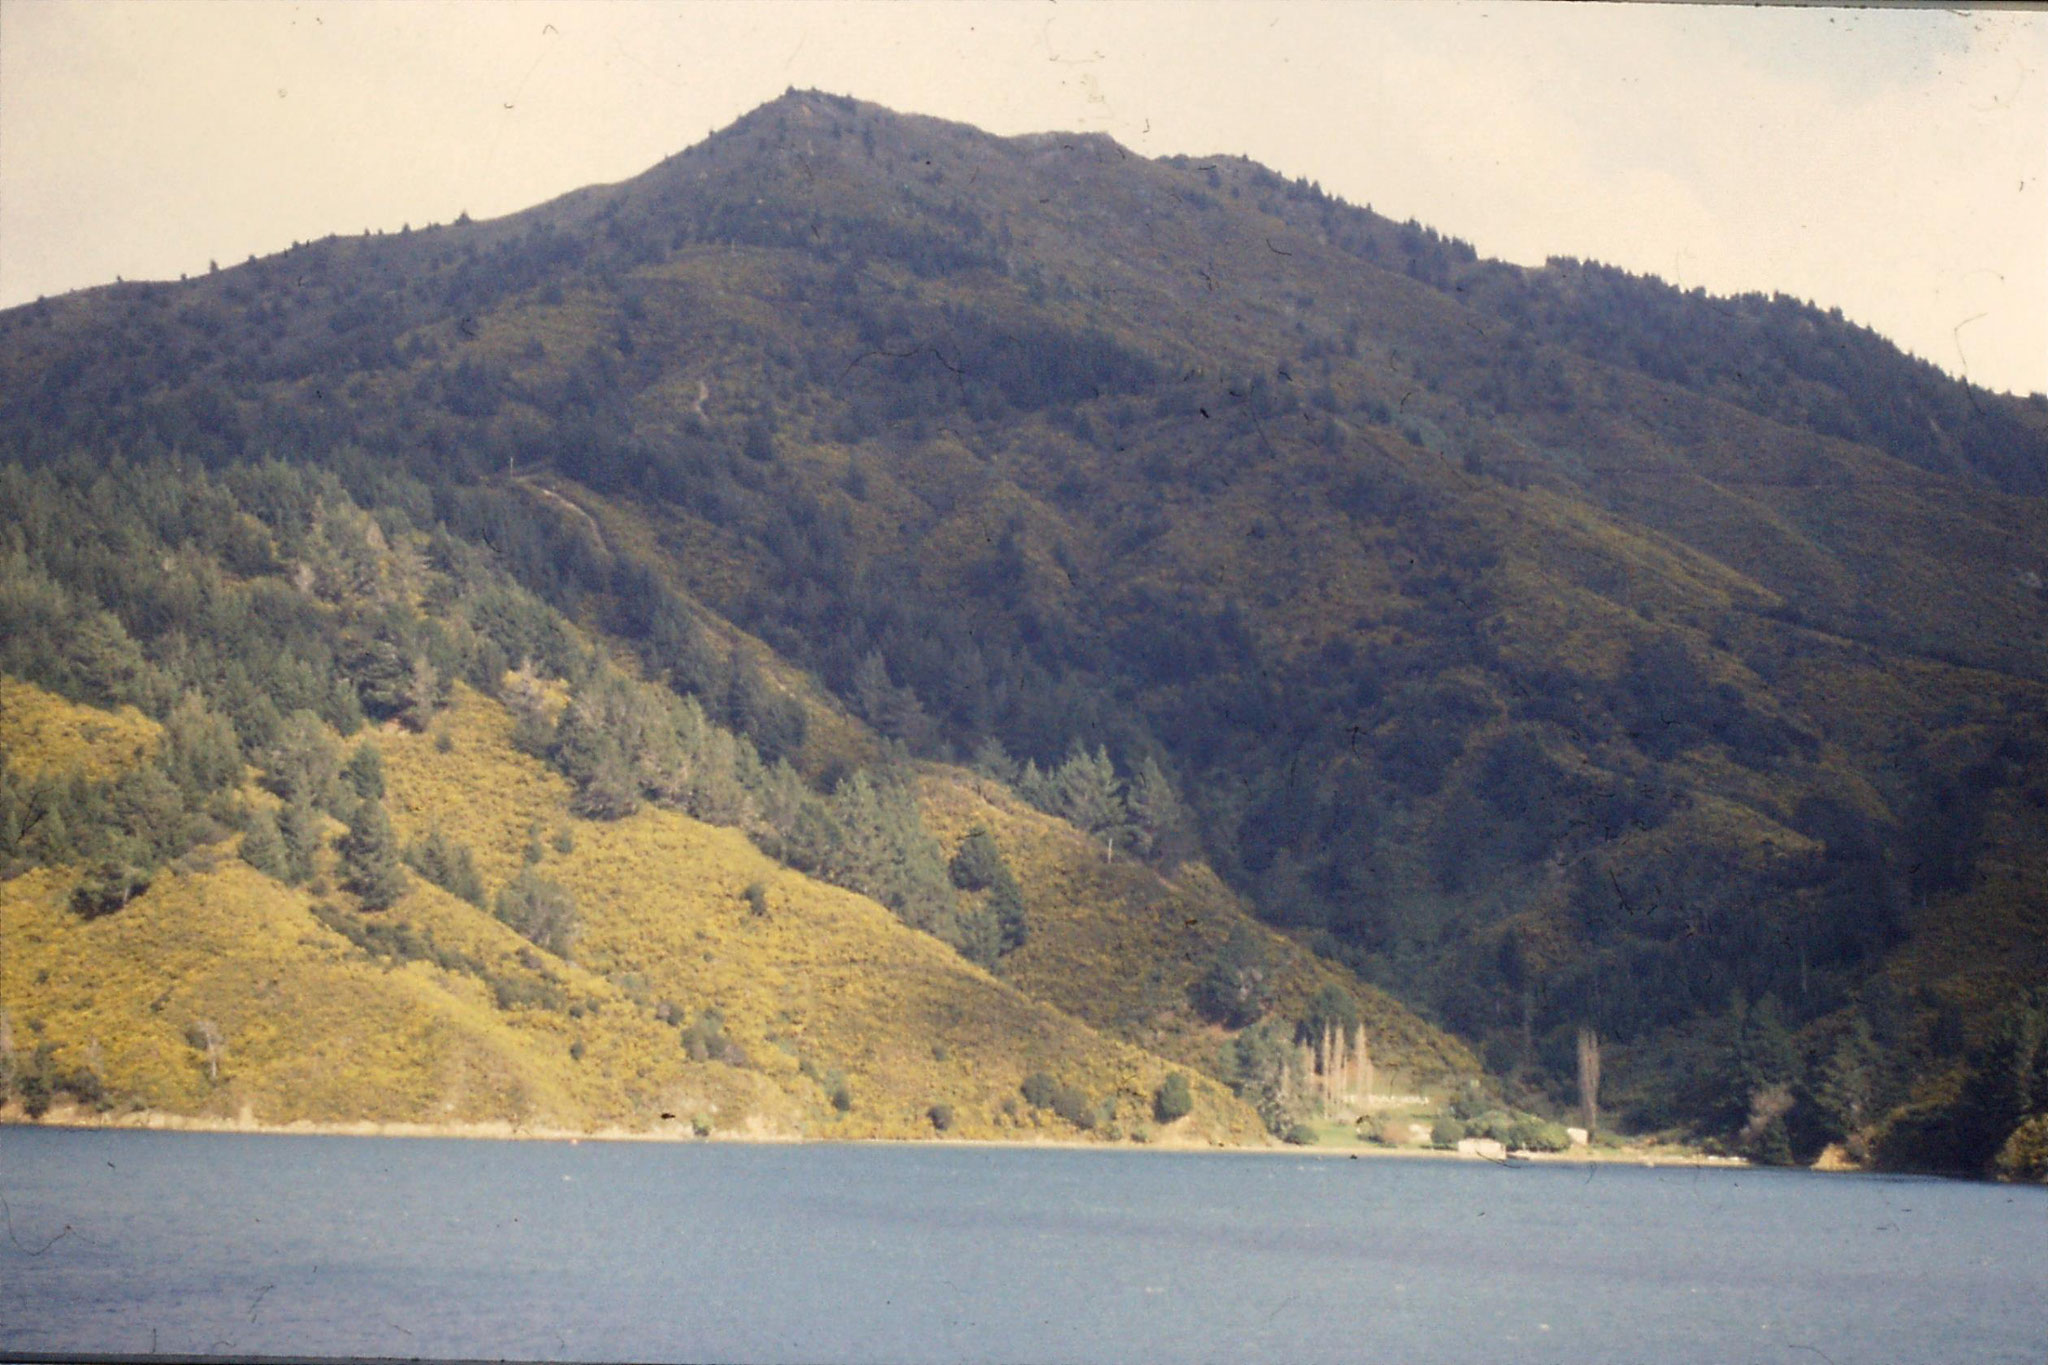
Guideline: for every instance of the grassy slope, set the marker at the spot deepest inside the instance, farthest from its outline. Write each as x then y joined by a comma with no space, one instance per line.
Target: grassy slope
1091,916
319,1030
43,733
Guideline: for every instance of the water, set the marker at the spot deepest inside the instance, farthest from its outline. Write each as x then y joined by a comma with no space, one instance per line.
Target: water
397,1247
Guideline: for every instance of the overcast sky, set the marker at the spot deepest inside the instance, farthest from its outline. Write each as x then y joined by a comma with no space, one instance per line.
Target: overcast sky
1889,163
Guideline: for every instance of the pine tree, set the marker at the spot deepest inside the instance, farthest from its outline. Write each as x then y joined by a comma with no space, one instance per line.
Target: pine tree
1999,1089
1848,1080
540,910
369,858
54,843
872,690
200,753
1090,796
303,764
525,696
979,862
1159,822
1038,787
11,840
298,825
860,854
991,759
448,864
1769,1057
420,694
976,935
606,789
365,772
604,739
263,847
1266,1073
1589,1080
151,811
1237,988
1006,903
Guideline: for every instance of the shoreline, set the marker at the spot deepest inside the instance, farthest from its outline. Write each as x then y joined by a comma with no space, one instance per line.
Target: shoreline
156,1121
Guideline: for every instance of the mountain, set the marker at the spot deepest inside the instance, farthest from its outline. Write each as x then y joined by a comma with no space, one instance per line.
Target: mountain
1548,650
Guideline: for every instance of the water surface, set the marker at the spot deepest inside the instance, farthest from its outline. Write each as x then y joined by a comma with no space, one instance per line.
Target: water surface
242,1244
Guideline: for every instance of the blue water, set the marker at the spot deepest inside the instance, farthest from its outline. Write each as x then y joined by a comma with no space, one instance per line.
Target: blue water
275,1245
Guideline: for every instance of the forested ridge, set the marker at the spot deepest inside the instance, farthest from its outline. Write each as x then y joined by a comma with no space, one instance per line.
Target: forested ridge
1562,653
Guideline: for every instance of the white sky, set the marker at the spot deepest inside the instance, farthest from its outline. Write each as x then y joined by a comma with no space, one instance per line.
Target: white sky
1890,163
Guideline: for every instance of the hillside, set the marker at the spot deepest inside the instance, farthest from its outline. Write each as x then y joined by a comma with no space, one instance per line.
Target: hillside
199,916
1547,650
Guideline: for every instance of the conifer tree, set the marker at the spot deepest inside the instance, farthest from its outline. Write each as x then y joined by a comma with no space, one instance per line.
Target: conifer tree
872,690
1038,787
365,772
10,825
1589,1079
151,810
976,935
369,858
201,753
448,864
2001,1086
420,694
1237,988
1006,903
303,764
525,697
607,790
540,910
263,847
54,843
1090,795
298,825
1848,1080
978,863
991,759
1159,822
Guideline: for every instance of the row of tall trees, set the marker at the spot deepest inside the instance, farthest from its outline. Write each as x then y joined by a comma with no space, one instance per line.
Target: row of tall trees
1141,814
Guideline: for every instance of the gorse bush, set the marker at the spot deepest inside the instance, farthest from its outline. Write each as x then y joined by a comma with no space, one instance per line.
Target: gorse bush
1173,1100
1071,1103
1531,1134
706,1040
1038,1090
